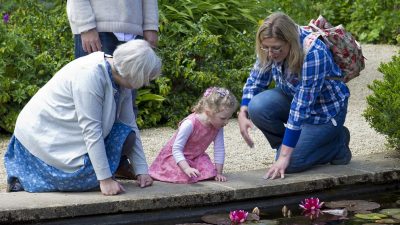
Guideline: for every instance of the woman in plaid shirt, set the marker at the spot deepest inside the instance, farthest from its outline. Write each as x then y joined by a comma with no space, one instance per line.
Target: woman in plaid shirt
302,117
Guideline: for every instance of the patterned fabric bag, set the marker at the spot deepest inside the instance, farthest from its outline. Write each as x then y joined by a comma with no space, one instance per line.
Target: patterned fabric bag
346,50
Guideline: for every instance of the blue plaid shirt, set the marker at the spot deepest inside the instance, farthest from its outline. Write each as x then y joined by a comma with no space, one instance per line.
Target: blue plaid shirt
316,100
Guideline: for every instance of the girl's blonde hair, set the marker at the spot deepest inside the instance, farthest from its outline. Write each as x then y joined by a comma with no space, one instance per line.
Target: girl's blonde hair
281,26
216,99
137,61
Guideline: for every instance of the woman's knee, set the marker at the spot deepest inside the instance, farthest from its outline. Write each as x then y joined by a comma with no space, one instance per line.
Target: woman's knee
269,105
297,166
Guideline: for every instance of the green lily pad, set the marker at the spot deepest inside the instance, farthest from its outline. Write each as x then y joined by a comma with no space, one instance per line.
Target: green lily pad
193,224
390,212
353,205
219,219
262,222
223,218
396,216
388,221
370,216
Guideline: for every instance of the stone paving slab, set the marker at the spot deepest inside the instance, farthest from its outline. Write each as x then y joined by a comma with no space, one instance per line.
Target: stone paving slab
22,206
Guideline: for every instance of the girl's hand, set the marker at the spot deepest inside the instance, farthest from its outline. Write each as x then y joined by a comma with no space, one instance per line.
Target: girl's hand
191,172
220,178
111,187
244,125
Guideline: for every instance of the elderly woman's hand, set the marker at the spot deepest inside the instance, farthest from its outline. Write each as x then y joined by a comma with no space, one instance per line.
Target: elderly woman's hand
144,180
111,187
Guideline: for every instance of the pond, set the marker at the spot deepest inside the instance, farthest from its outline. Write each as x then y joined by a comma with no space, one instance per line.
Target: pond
386,195
354,208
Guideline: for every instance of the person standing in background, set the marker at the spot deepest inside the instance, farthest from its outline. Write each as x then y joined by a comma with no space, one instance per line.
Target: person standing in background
101,26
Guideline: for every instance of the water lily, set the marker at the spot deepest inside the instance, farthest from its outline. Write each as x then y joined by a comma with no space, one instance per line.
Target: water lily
6,18
311,207
312,214
311,204
238,216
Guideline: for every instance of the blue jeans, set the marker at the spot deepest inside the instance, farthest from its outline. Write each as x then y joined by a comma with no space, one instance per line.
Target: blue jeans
318,143
109,43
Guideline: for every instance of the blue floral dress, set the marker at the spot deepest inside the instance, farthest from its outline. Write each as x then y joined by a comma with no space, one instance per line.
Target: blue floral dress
37,176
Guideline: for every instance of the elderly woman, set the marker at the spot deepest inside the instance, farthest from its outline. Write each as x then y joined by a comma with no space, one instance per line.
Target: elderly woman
303,116
71,135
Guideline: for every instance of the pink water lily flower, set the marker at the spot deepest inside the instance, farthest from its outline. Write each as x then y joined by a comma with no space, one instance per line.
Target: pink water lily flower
311,204
311,207
238,216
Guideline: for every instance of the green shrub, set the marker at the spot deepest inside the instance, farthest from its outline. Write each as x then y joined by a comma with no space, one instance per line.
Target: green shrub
376,21
383,108
203,44
370,21
35,42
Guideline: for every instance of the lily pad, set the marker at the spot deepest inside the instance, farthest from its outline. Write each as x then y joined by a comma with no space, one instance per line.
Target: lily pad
262,222
219,219
370,216
193,224
373,224
253,217
390,212
353,205
388,221
223,218
396,216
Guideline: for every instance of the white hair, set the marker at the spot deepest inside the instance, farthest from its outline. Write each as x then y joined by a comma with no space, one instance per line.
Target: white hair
137,61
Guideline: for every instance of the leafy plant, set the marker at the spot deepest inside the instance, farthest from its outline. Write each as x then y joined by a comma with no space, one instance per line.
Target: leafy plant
383,108
203,44
35,42
150,107
383,17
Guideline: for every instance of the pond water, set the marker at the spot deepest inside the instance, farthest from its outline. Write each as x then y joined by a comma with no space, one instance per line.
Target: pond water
387,199
270,210
354,216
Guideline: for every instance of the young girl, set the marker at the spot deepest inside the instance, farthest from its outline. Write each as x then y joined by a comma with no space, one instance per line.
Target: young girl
183,159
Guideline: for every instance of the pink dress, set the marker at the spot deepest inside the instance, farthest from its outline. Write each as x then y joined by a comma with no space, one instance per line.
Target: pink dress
165,168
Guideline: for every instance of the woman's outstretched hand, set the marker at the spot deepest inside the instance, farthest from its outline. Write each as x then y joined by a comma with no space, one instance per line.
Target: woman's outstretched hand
277,169
111,187
244,125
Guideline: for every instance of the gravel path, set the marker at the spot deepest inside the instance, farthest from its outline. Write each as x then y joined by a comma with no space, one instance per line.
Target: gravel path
239,157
